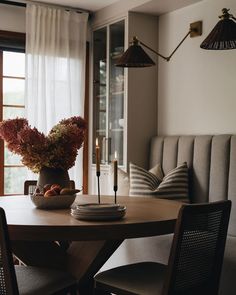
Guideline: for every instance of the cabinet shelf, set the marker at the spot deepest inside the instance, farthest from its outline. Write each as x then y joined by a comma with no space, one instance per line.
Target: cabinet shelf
117,92
99,83
101,130
116,56
101,96
117,130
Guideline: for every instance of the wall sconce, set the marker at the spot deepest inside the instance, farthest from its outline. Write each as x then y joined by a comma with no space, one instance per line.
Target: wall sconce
135,56
223,35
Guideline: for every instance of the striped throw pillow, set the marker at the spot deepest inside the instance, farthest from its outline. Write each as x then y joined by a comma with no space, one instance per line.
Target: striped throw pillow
173,186
143,182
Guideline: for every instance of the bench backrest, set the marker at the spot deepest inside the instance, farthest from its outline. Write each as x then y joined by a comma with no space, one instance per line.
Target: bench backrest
212,166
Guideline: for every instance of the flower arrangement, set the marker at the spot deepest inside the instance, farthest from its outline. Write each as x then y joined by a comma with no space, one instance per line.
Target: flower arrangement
56,150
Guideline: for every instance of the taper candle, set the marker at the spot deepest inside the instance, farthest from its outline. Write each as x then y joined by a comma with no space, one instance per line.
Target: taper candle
115,163
97,156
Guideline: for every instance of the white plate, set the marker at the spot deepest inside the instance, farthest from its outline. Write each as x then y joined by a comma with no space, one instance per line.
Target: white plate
98,212
91,207
99,215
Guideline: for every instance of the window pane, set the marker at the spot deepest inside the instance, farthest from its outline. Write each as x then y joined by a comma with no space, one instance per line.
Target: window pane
13,64
14,178
13,91
10,158
11,112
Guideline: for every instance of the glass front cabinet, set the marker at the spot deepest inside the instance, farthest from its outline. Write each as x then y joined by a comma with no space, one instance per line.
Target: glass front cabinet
123,102
108,97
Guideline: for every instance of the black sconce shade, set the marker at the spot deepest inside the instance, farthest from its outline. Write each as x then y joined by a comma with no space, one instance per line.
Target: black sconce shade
223,35
135,57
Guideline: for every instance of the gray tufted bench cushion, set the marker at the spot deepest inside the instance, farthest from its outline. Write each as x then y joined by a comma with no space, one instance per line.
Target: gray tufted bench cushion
212,176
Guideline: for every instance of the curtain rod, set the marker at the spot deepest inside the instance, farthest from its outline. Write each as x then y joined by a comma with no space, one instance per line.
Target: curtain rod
23,3
12,3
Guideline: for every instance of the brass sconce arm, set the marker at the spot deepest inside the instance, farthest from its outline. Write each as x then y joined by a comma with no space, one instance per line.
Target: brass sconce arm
135,56
167,58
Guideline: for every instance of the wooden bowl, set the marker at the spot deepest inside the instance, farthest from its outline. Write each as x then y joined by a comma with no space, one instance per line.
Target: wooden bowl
53,202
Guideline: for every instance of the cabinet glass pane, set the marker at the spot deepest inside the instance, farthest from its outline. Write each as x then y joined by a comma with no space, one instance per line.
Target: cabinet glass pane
99,90
116,92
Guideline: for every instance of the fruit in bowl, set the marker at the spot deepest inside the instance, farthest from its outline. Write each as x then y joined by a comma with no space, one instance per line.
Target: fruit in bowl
53,196
55,190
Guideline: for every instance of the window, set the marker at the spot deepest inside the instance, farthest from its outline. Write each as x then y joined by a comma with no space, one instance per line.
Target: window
12,89
12,84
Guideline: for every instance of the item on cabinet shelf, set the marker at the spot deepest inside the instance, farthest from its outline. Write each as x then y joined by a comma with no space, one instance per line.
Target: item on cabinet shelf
135,56
121,122
93,211
103,159
118,52
223,35
117,84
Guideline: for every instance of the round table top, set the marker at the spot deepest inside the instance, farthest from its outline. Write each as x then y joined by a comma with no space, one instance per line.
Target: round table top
145,216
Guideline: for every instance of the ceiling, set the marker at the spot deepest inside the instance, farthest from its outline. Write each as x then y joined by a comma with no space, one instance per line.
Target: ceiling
158,7
146,6
91,5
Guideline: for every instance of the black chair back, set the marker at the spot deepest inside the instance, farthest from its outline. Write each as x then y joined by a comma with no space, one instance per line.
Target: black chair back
197,252
8,282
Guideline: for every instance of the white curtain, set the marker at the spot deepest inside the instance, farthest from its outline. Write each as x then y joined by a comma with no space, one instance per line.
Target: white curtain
55,68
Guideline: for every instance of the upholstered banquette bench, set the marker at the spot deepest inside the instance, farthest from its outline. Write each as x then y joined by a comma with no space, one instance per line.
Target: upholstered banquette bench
211,161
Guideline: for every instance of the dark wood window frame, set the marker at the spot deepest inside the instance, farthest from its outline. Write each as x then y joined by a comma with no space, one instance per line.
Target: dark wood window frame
9,41
14,41
1,141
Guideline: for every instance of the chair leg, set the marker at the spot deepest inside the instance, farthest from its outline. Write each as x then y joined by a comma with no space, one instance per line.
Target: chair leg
100,292
73,291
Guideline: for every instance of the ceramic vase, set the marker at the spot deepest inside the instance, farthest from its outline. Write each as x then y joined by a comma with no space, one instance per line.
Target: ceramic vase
53,175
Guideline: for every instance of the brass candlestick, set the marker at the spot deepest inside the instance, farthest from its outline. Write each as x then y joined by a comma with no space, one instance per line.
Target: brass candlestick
115,165
98,175
115,190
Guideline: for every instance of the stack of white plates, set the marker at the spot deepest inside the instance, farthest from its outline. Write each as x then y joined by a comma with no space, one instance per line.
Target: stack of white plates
95,211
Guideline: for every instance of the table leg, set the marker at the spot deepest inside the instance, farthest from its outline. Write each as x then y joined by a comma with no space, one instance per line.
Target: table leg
86,258
42,254
82,259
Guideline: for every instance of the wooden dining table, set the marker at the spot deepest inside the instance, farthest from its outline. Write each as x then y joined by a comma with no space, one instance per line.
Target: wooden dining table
53,238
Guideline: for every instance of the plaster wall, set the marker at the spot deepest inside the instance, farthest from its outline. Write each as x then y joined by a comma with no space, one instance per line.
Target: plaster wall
197,88
12,18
